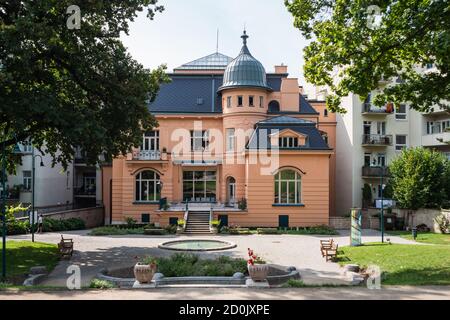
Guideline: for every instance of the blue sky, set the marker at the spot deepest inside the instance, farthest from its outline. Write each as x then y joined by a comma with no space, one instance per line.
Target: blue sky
187,30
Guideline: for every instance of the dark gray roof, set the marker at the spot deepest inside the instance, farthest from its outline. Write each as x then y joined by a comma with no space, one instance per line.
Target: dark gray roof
261,137
286,120
215,61
182,93
245,71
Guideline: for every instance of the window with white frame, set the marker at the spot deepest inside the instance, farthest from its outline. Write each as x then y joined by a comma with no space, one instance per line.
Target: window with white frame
400,112
150,141
27,180
288,142
288,187
230,139
26,146
228,102
148,186
400,142
199,140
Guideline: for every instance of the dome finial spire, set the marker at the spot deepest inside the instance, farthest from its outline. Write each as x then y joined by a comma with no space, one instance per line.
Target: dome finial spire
245,37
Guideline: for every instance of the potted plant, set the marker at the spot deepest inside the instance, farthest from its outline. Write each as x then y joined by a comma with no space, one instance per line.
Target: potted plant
181,223
215,226
145,270
257,268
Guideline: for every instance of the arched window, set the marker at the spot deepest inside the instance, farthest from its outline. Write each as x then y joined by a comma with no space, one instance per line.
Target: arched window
274,106
148,186
288,187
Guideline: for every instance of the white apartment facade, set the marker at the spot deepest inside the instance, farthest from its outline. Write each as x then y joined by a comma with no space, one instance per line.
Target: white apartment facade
368,138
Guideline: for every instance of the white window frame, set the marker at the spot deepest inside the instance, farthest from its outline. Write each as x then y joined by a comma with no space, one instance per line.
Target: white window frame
199,140
231,138
282,181
150,141
401,116
27,180
288,142
399,147
156,184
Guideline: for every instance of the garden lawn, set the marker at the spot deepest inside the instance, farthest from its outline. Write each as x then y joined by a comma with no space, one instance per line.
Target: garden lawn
403,264
425,237
22,255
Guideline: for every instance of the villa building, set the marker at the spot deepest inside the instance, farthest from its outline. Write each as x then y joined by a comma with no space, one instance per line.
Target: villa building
234,144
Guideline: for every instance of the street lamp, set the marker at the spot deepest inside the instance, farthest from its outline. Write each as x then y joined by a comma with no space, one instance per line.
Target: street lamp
33,158
381,168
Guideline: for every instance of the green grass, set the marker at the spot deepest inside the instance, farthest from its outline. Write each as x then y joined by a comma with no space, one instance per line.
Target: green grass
101,284
424,237
184,265
403,264
22,255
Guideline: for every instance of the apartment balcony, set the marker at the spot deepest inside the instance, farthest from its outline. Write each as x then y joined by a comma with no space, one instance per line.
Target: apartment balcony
374,172
148,155
376,140
435,140
370,109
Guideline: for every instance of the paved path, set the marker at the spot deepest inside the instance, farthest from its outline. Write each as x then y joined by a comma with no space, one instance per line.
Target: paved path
341,293
301,251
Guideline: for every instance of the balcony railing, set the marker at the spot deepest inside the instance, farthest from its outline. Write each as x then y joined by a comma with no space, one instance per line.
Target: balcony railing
368,171
85,191
147,155
377,139
371,109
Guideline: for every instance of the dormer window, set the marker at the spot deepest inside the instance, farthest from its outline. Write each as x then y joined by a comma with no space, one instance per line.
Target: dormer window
251,101
288,142
240,101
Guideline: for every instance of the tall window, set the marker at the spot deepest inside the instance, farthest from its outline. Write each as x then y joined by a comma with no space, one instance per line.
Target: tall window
261,102
199,140
400,142
230,139
27,146
288,142
381,127
199,186
148,186
27,179
400,112
150,141
288,187
228,102
251,101
240,101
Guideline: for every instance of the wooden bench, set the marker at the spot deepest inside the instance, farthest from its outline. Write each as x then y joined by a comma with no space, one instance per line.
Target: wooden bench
65,247
331,253
325,244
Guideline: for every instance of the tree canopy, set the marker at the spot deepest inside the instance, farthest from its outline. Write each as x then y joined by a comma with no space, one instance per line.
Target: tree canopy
420,178
355,44
73,87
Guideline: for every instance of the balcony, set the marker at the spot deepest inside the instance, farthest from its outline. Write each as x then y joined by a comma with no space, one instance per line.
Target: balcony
85,192
374,172
435,140
376,140
370,109
147,155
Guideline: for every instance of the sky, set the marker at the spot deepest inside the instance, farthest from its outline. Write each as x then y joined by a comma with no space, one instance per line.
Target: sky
187,30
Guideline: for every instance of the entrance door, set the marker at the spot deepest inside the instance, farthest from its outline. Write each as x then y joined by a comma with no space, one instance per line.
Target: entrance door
199,186
231,190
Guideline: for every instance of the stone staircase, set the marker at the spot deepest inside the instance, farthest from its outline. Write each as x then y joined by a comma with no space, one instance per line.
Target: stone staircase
197,223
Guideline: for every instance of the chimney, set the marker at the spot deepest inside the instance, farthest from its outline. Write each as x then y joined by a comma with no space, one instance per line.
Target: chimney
281,69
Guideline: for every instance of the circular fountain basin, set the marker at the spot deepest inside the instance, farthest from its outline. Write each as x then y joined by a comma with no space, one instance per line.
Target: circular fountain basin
197,245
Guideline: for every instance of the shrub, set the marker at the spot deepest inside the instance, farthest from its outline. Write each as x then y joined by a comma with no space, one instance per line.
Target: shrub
115,231
53,225
183,265
171,229
101,284
130,222
242,204
13,225
267,231
155,232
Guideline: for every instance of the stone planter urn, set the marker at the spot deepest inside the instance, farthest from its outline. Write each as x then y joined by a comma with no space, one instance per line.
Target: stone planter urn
144,272
180,229
214,230
258,272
